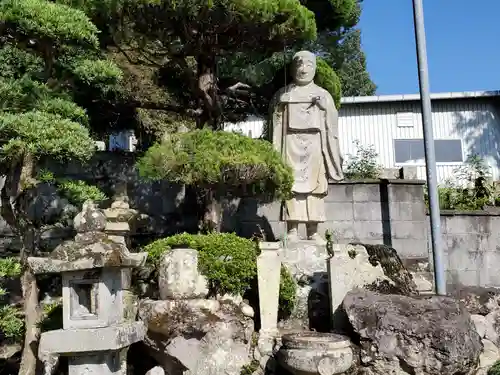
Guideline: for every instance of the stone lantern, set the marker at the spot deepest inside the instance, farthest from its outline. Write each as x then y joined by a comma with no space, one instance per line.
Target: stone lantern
96,274
120,215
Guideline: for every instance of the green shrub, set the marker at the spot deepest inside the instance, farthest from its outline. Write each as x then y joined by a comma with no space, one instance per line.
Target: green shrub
9,268
221,162
75,191
78,191
11,322
46,176
288,288
227,261
362,165
469,190
495,369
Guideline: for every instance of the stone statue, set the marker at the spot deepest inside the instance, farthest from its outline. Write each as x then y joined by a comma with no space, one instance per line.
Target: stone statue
304,126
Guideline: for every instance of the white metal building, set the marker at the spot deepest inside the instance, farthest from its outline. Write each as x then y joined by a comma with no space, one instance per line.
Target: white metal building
464,123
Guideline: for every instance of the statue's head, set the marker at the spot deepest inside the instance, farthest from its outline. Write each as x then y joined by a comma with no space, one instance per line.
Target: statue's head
303,67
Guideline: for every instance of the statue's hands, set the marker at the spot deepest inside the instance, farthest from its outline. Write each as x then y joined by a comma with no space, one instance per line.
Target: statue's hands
320,101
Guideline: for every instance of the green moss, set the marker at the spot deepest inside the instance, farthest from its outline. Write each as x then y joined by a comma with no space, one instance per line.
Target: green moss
250,368
288,290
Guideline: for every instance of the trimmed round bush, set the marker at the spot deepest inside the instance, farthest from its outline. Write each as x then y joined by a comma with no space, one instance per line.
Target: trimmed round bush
225,163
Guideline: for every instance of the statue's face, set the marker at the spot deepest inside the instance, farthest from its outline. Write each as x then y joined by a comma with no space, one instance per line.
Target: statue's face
304,69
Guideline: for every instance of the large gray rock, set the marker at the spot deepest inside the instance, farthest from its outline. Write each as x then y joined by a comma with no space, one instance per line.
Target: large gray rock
477,300
489,356
492,327
198,337
404,335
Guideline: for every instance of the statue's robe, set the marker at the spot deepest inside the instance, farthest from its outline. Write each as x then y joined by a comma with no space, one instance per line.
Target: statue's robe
307,137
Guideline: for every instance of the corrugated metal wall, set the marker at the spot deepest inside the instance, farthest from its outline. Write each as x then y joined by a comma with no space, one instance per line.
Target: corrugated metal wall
252,127
475,121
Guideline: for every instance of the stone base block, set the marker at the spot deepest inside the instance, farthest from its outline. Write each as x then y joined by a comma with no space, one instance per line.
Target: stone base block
69,341
102,363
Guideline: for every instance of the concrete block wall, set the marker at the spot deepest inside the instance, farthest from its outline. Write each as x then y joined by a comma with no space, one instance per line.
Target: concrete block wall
471,242
393,212
372,211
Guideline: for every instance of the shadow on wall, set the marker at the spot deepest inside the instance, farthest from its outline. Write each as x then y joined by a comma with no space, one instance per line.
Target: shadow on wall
481,131
242,217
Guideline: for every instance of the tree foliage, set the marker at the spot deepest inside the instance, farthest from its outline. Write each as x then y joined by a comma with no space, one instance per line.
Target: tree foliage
347,58
51,58
217,59
11,323
218,165
49,53
222,162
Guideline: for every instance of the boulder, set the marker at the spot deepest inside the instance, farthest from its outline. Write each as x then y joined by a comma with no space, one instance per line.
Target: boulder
404,335
477,300
489,356
199,336
43,204
386,257
492,329
480,323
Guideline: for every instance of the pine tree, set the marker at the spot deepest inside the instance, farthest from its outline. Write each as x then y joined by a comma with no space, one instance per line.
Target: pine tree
49,53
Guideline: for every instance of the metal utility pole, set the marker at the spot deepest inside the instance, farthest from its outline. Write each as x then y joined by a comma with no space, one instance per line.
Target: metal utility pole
430,157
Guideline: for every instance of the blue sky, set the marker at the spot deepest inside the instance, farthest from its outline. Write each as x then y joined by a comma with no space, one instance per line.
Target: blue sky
462,45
